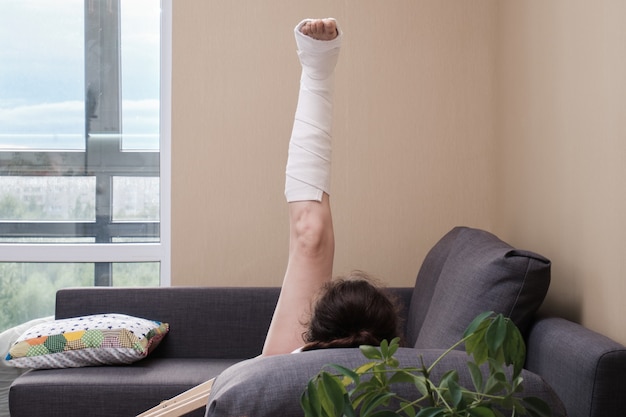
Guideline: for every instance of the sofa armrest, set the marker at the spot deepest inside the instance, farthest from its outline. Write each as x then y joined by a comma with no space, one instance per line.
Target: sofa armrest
586,369
205,322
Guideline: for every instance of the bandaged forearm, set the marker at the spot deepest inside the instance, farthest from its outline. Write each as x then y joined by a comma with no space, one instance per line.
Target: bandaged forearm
309,159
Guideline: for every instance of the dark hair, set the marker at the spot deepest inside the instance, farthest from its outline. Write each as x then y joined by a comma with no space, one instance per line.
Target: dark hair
350,312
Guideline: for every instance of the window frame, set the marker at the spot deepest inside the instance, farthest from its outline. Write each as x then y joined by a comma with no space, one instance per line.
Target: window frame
123,252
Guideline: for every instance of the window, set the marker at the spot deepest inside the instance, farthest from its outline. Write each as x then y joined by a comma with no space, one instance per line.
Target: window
84,148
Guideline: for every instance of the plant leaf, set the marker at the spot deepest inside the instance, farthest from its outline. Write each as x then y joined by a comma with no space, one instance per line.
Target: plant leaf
394,345
365,391
310,400
404,376
498,413
377,400
517,384
334,392
477,376
348,410
384,348
384,413
350,376
456,394
450,376
537,407
407,408
370,352
481,412
493,385
477,322
496,334
514,348
475,341
379,377
448,387
430,412
365,367
392,362
305,404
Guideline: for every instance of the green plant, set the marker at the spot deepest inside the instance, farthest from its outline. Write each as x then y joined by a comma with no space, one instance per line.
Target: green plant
490,339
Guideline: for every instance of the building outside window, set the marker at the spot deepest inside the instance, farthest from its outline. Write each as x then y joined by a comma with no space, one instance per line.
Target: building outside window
84,148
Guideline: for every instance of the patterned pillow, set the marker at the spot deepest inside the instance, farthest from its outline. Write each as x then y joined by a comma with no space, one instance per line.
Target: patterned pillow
101,339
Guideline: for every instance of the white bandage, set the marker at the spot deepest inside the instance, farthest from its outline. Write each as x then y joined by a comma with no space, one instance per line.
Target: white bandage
308,163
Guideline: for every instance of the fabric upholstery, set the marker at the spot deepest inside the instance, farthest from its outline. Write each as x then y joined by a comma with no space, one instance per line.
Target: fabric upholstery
426,283
585,368
109,390
272,386
202,321
212,328
480,273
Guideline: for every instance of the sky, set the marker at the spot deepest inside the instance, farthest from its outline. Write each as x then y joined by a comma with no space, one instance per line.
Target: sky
42,71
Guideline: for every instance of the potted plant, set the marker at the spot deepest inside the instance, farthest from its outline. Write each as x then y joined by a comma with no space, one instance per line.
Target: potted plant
492,343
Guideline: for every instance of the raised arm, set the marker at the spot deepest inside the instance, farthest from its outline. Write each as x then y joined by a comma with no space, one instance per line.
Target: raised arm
307,186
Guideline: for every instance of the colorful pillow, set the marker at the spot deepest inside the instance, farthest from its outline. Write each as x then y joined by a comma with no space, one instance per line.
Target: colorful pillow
101,339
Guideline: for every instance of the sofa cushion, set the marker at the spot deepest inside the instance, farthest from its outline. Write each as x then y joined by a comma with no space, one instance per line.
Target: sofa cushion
100,339
272,386
426,283
105,391
470,271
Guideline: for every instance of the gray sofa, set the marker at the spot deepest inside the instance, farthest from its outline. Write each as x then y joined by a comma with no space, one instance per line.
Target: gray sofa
220,331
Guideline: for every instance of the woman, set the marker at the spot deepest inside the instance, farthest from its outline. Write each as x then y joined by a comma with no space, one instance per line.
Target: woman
351,311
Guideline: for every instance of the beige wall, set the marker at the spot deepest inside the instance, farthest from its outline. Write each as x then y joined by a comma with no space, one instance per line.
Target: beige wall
507,116
561,135
413,137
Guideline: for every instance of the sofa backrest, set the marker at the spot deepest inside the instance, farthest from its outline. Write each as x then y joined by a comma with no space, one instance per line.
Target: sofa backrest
219,323
204,322
467,272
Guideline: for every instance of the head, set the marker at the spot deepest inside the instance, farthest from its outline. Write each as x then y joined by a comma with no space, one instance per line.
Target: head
350,312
